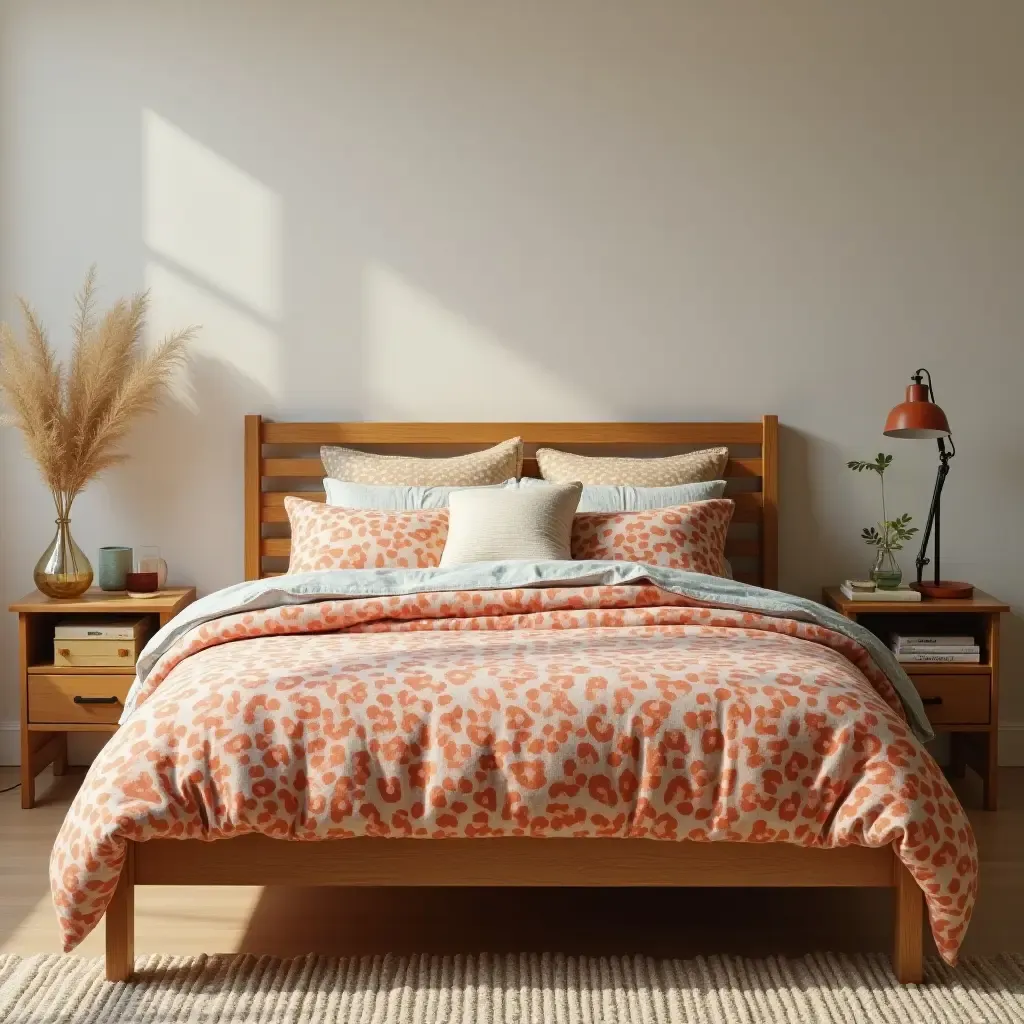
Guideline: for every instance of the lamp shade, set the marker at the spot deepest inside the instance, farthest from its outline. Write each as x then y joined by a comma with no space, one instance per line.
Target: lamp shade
917,417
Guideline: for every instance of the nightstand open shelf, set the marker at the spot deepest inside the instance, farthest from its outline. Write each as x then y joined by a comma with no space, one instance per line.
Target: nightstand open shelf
60,699
960,698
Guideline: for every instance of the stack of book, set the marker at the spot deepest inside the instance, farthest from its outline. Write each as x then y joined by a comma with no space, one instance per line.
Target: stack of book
854,590
934,648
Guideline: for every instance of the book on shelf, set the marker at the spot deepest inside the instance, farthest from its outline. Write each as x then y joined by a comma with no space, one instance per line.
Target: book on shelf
938,658
932,639
899,594
83,628
904,648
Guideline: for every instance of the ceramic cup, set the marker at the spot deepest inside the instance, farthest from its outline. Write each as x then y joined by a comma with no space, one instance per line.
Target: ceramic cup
114,565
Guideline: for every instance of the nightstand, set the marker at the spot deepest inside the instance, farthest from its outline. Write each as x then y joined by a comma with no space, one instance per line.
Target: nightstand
58,699
961,700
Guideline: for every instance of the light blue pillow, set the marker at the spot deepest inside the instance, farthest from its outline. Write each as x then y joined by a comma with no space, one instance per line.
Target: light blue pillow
596,498
625,498
345,494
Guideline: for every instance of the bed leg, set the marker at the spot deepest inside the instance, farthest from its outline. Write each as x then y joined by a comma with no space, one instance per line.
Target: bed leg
120,953
908,935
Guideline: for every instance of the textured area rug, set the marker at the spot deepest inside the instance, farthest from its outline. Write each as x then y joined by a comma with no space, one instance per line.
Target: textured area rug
820,988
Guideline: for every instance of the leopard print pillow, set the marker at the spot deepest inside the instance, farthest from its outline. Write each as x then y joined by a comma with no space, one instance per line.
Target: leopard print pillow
688,537
324,537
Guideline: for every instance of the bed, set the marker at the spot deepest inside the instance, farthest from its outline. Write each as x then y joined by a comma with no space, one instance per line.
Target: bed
281,460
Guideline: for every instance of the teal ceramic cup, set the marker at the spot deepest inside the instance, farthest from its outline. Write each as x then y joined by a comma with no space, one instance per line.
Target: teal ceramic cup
114,565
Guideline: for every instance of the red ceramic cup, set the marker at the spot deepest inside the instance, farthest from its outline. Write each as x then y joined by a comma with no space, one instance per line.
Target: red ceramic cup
142,582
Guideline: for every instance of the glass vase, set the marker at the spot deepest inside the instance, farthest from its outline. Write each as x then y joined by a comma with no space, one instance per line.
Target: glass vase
886,572
63,570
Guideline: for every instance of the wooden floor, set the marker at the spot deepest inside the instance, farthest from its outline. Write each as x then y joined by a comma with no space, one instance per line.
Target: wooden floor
673,922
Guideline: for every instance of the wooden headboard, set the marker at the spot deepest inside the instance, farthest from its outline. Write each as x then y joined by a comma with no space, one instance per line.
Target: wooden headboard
284,458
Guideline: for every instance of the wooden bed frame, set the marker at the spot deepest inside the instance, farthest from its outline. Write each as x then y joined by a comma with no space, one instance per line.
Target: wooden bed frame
282,459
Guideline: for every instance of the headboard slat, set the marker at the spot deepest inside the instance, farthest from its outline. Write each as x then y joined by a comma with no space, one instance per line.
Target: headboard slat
290,461
705,435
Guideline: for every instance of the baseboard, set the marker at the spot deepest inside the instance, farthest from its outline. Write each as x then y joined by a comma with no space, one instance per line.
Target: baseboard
1011,744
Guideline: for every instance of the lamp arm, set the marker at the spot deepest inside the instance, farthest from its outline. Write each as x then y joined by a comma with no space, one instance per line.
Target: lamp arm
934,514
935,509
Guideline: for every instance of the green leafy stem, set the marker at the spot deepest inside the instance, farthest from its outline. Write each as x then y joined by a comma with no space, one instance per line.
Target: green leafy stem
888,534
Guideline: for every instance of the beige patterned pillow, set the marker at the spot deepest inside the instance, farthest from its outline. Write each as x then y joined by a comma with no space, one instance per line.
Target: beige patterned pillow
492,466
691,468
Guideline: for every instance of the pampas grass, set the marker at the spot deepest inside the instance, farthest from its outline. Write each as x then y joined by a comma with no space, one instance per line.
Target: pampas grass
74,418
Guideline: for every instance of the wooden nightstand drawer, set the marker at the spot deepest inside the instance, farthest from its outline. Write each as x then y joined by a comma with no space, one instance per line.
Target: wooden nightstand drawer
960,699
77,699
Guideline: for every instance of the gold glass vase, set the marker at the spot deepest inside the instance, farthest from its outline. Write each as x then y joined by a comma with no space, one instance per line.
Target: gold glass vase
63,570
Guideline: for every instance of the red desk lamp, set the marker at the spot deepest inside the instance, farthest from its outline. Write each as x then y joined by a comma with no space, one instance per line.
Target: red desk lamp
920,417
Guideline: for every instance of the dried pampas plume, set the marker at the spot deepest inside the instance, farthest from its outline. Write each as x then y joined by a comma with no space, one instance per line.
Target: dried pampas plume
74,418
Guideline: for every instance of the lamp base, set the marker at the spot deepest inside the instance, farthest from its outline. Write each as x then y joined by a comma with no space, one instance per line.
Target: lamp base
945,590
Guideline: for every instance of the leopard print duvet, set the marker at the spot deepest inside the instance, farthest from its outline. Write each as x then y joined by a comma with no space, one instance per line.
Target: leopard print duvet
619,711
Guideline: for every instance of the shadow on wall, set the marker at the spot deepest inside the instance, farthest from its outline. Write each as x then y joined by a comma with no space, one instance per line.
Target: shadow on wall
213,238
185,478
475,173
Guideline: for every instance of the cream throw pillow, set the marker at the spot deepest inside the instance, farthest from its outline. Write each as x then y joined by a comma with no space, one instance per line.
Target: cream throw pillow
491,466
691,468
491,525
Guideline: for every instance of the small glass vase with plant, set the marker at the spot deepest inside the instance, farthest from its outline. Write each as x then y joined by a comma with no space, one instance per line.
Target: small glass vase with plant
888,534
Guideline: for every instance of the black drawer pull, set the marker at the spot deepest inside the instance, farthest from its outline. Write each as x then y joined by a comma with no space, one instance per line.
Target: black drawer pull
79,699
931,700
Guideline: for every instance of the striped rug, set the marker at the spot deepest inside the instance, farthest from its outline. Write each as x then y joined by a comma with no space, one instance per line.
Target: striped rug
820,988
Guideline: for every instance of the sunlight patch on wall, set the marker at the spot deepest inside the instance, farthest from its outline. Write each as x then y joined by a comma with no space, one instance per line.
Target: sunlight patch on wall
424,361
244,344
211,218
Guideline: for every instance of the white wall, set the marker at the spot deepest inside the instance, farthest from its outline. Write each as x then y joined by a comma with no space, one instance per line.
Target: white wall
534,210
